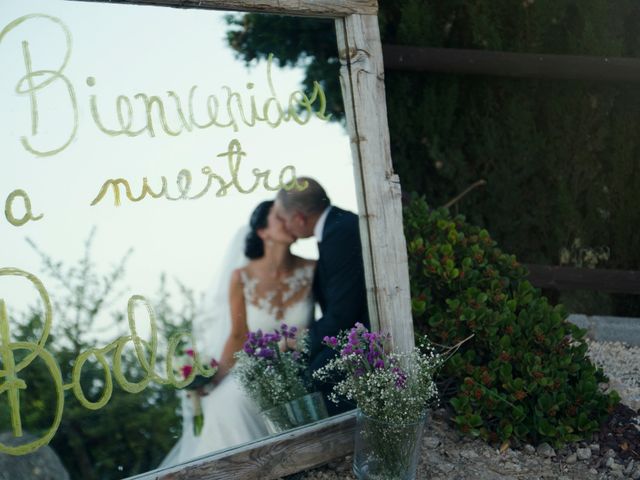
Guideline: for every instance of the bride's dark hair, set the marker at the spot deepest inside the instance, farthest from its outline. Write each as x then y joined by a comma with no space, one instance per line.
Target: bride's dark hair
253,244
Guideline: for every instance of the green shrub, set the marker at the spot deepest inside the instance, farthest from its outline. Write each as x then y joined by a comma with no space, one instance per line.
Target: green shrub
524,372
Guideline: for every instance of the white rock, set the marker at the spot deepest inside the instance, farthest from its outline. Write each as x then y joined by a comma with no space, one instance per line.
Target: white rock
512,467
445,467
583,453
546,450
616,466
431,442
629,467
571,459
468,454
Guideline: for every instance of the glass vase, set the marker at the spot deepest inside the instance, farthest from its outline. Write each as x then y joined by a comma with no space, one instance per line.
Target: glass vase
386,450
307,409
300,411
277,419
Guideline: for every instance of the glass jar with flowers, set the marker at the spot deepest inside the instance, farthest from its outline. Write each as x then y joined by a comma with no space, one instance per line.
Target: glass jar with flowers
274,376
392,392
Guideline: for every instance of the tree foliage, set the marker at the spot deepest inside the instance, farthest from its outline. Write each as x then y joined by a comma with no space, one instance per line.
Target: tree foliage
294,42
521,368
133,432
559,157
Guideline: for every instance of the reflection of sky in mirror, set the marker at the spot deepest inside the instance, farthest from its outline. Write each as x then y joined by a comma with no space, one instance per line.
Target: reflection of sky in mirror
129,50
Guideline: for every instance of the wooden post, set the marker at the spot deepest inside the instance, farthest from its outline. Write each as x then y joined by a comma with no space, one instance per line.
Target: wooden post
379,194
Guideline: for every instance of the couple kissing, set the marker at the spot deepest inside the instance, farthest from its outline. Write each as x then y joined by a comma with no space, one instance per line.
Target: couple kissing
273,286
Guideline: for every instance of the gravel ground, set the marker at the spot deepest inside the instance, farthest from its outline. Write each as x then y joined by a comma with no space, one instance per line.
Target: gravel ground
446,455
621,363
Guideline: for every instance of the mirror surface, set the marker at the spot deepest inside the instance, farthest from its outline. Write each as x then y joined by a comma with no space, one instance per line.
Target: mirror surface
119,126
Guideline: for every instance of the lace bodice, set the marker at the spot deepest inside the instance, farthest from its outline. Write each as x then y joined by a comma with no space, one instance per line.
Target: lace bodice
290,301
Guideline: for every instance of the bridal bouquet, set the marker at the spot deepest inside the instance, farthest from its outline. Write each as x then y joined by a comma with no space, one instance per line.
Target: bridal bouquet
392,392
199,381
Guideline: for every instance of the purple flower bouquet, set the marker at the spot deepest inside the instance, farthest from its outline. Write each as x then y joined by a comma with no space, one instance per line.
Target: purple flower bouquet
392,392
274,377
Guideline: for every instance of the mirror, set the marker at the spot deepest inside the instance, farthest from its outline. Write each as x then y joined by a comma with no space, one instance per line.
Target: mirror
132,157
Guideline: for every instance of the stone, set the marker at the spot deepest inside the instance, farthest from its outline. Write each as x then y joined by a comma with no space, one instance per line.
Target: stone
468,454
530,449
546,450
636,474
571,459
583,453
431,442
513,467
610,462
629,468
595,448
564,451
445,467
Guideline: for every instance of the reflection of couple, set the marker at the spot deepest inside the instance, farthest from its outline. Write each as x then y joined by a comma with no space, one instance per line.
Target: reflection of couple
273,287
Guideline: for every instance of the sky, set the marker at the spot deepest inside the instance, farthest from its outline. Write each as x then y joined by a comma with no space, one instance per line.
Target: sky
116,52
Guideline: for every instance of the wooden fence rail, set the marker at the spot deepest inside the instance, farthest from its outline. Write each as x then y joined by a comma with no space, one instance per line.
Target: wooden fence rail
529,65
571,278
507,64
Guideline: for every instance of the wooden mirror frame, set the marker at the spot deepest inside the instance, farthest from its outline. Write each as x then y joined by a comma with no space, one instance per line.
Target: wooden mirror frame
383,243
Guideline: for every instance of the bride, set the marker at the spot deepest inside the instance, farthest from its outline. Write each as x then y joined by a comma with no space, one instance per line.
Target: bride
272,287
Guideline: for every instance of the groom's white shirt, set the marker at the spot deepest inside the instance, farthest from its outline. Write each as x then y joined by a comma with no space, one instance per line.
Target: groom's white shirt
319,227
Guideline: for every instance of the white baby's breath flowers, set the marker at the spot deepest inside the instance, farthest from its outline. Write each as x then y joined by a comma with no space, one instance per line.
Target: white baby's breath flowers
272,377
390,387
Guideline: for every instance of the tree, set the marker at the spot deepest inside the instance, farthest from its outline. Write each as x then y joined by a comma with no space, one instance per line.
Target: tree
559,157
131,433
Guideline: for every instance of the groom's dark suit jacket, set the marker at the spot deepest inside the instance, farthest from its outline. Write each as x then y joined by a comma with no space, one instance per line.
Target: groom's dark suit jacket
338,285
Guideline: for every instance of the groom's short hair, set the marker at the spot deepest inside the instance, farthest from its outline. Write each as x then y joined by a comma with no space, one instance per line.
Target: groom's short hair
311,200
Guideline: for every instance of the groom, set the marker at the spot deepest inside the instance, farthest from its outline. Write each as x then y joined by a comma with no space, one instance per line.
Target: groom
339,285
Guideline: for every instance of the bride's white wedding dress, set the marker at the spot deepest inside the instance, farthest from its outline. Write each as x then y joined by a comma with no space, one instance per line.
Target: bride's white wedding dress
230,417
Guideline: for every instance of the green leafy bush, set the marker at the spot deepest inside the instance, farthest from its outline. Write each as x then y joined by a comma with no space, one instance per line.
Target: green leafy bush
524,372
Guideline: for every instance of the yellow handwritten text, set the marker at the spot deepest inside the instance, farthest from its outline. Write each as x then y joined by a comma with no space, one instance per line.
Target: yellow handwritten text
13,386
150,114
28,214
35,81
184,178
231,110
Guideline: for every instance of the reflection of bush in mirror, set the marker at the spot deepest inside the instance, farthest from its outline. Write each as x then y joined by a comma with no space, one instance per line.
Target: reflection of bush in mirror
141,426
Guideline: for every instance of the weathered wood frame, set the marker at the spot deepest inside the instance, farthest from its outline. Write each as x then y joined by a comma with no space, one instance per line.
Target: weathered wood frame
384,247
